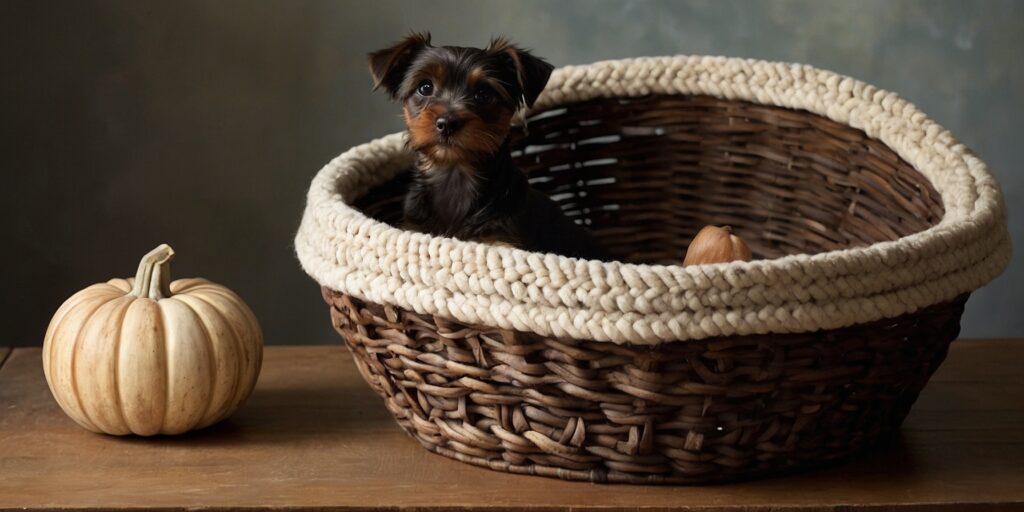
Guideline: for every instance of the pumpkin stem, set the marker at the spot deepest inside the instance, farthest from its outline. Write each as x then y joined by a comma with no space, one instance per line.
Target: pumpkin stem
153,279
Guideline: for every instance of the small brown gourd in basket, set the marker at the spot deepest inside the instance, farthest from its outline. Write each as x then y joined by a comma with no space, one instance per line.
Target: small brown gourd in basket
716,245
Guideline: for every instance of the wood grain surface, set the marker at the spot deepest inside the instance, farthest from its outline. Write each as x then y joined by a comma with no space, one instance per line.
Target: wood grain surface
314,436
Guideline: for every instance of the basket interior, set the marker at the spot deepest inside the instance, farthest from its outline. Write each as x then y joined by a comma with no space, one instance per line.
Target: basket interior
645,174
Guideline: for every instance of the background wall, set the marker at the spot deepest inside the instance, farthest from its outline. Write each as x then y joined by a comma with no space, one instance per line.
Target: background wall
200,124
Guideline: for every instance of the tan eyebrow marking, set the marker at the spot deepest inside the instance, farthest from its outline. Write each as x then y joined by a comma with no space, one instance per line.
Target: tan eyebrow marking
437,73
476,75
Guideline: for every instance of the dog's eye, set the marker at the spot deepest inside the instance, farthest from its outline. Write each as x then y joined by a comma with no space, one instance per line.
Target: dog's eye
483,94
426,88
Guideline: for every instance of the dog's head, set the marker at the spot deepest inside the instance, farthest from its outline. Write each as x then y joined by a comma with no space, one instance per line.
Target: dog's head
458,102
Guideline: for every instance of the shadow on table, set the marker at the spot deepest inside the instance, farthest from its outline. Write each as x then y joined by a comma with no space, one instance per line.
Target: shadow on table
299,412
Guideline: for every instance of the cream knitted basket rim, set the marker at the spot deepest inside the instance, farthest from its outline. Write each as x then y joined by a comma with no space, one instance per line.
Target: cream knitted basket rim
551,295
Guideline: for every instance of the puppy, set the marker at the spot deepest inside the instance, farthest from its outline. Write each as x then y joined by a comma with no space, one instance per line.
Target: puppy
458,105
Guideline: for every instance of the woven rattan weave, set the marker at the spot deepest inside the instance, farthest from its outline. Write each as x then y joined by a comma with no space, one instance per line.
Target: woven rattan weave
640,371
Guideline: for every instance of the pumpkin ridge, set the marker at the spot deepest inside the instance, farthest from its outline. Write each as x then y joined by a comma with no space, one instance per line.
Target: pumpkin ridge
215,289
49,351
191,284
116,354
235,300
52,354
96,378
203,420
139,371
240,306
57,322
239,346
74,357
159,320
189,385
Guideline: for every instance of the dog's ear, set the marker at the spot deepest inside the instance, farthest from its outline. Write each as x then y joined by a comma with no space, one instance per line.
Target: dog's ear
388,66
531,72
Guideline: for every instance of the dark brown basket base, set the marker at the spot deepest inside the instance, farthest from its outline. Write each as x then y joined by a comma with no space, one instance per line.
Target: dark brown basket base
645,174
690,412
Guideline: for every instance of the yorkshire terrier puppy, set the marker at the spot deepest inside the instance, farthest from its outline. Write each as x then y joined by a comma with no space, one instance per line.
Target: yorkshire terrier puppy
458,105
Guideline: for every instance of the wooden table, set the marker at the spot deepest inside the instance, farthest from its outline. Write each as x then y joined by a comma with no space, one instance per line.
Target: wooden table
314,436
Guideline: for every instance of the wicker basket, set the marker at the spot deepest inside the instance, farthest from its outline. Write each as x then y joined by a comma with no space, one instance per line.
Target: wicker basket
869,222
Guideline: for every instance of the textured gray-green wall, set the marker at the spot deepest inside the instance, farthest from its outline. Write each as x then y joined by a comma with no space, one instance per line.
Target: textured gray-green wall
200,124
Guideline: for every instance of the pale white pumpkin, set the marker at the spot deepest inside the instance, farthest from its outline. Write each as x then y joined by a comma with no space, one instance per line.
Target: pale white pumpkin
147,356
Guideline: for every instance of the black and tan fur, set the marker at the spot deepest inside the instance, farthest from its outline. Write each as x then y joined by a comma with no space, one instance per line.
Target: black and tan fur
458,105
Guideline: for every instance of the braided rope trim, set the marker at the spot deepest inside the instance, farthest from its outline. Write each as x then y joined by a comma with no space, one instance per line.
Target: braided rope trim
648,304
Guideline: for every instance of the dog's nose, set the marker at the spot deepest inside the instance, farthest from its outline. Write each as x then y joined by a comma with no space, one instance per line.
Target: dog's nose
446,124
